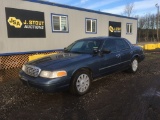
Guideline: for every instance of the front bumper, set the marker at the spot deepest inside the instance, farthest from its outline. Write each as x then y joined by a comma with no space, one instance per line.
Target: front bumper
47,85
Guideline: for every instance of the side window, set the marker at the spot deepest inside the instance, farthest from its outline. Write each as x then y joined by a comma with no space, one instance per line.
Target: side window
91,25
122,45
59,23
129,43
110,45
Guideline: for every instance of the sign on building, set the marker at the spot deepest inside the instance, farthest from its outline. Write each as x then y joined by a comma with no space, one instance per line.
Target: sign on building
25,23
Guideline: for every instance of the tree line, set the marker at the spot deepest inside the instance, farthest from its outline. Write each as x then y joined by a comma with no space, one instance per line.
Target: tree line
147,28
147,24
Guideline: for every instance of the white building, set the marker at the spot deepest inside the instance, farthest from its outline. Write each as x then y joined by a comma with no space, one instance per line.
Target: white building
37,26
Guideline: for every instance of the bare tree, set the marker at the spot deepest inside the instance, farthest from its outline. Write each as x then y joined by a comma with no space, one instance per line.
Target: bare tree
141,24
152,25
128,10
146,27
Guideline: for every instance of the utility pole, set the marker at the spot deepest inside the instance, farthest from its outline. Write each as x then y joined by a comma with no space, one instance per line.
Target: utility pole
157,6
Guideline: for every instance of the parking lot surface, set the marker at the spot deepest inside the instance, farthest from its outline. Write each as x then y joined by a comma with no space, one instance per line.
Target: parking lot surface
119,96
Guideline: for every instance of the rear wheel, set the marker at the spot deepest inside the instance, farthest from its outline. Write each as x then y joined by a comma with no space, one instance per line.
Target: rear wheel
134,66
81,82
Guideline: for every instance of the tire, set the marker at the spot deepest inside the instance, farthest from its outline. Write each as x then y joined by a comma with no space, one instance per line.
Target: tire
80,83
134,66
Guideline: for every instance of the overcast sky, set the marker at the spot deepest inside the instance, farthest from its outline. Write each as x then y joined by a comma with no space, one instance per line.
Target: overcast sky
141,7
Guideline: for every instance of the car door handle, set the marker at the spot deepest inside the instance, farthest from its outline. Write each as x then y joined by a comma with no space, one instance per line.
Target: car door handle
118,55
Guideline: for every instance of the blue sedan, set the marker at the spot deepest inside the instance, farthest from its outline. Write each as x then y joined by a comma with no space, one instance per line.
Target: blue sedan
80,63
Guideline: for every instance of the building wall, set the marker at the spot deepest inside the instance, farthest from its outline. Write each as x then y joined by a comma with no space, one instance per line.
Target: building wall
76,19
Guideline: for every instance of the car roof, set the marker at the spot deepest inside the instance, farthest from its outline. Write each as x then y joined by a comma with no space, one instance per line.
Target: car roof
100,38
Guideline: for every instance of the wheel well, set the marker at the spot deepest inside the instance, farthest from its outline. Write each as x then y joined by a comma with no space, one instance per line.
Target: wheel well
137,57
84,68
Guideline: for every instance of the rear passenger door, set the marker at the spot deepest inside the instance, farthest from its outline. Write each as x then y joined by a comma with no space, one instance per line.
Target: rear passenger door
124,51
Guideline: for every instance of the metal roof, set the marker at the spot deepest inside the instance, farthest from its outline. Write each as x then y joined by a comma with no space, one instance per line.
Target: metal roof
77,8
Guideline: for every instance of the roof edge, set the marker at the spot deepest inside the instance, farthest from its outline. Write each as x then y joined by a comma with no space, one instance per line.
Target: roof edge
77,8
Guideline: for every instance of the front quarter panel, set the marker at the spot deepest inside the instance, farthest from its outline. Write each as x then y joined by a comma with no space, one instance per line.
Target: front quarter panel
92,63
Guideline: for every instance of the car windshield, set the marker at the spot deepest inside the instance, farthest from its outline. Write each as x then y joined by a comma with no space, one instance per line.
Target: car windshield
84,46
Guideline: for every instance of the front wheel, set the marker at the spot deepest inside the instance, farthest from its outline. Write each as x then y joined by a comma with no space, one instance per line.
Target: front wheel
80,83
134,66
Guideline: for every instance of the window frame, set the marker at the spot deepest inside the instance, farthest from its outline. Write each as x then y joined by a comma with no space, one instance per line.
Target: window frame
60,17
129,28
91,19
124,43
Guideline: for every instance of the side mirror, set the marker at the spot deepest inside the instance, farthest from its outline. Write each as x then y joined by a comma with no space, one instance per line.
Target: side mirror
106,51
95,50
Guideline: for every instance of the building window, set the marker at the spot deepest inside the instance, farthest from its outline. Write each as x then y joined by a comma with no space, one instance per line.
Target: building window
129,28
59,23
91,25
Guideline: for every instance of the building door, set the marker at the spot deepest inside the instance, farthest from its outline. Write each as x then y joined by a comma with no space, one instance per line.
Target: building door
115,29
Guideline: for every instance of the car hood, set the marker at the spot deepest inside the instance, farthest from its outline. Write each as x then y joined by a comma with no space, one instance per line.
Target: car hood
59,60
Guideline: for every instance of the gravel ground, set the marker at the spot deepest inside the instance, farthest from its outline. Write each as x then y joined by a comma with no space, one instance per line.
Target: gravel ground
120,96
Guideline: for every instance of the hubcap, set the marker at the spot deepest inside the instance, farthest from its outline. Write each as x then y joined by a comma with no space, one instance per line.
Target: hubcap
82,83
134,65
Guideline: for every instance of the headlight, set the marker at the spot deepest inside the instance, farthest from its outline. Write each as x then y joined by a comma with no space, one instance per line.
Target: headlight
53,74
23,68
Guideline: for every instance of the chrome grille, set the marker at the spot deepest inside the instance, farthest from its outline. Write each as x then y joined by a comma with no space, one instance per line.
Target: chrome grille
32,70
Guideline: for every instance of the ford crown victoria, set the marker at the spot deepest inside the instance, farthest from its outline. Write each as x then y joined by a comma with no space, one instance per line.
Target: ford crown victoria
80,63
